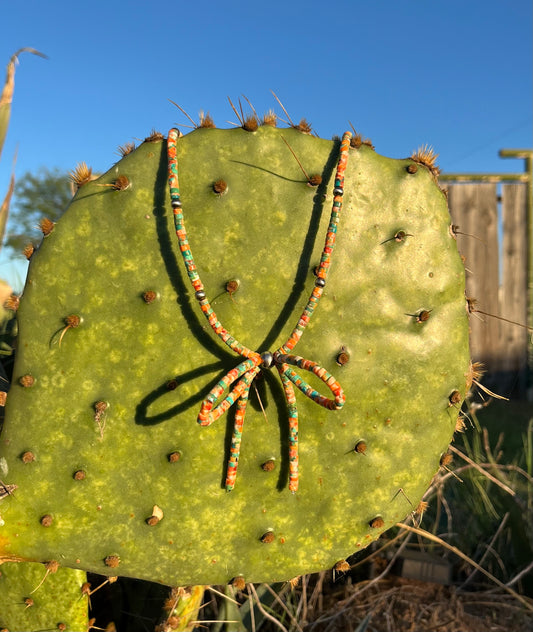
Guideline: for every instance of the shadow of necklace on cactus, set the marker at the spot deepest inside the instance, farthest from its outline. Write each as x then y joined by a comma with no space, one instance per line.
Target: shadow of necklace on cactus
304,262
168,255
175,273
143,416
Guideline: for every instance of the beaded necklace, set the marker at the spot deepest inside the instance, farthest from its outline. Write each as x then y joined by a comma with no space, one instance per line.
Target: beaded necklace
239,380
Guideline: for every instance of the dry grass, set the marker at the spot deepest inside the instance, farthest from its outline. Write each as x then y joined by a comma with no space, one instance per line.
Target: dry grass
396,604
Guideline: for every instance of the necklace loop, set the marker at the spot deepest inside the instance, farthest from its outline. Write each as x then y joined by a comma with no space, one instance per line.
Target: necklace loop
239,380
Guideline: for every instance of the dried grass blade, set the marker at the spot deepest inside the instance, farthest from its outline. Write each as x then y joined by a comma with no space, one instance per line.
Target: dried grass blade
7,92
480,469
4,209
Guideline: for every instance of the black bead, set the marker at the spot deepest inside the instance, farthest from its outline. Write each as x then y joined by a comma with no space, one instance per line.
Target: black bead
338,191
267,358
320,282
176,203
200,295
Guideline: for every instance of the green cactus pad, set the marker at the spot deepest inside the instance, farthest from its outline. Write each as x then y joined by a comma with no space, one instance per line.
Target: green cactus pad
115,357
34,599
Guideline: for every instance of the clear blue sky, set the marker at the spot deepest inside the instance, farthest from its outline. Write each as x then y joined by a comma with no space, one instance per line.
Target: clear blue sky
456,74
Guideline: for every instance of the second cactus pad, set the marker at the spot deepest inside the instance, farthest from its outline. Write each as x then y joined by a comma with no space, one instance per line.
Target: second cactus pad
115,358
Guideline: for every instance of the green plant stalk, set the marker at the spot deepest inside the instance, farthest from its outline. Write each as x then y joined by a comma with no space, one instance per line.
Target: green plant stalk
528,452
182,609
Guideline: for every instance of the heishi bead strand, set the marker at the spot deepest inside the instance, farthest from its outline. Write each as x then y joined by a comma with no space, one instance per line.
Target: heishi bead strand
240,379
187,256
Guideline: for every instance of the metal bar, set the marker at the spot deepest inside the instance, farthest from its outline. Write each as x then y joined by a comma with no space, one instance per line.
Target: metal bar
515,153
485,177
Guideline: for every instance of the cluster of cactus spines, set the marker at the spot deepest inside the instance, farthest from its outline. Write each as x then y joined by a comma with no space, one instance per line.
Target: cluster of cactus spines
115,359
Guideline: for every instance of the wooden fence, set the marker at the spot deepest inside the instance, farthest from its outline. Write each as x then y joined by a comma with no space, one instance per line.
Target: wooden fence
492,221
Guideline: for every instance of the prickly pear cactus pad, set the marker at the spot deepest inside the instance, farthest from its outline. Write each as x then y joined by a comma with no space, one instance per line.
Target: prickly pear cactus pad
114,472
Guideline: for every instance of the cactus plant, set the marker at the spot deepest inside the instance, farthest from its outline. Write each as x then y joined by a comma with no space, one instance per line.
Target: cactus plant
114,473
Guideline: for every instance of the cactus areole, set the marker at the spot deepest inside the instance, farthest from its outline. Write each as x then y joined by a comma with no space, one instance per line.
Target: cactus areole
127,341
